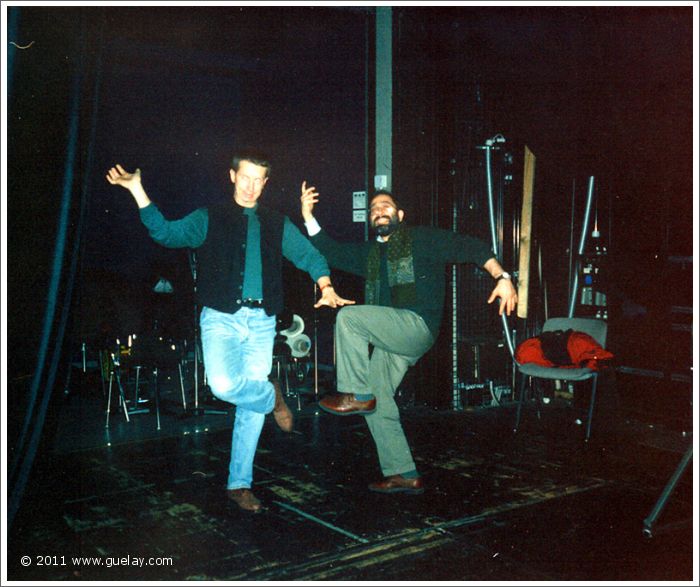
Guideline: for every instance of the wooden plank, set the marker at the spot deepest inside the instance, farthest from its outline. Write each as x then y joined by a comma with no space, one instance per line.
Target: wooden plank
525,233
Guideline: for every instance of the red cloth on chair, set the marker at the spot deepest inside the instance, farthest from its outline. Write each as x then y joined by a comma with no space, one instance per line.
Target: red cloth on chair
583,350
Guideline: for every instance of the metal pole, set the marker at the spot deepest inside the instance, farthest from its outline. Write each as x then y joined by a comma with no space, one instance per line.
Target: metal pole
492,223
383,93
543,283
650,520
489,186
316,346
456,402
571,234
581,246
367,188
193,268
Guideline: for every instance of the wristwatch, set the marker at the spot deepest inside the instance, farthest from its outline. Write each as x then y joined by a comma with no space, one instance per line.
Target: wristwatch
503,275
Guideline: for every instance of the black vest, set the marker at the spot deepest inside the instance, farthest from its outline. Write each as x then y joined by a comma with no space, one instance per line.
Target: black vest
221,258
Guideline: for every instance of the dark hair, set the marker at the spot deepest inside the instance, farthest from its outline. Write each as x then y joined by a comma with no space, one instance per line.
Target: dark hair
397,205
255,157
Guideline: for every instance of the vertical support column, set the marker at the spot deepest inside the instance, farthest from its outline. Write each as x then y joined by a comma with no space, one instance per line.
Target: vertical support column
383,98
367,114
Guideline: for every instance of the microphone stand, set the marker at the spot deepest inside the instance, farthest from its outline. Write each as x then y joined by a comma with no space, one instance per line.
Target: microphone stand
197,411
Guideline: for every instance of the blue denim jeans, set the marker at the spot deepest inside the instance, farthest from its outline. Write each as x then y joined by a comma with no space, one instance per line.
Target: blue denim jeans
238,359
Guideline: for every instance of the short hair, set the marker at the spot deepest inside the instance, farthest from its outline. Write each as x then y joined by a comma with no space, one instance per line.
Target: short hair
397,205
255,157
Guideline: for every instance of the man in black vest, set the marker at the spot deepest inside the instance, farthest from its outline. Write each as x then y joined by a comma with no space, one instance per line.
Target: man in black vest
240,246
404,273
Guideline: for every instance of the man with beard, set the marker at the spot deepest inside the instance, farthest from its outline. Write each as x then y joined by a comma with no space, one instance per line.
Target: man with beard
404,272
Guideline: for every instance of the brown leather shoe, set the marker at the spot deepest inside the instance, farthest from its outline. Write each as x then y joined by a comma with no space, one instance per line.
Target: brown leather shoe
245,499
345,404
398,484
281,412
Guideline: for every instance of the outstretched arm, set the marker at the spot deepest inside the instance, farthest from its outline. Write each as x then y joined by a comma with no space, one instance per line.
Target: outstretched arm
306,257
117,175
505,290
189,231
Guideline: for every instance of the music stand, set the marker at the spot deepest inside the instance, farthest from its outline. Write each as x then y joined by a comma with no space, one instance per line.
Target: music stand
197,410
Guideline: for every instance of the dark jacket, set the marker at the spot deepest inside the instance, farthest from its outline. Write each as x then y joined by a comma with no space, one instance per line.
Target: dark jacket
433,250
222,259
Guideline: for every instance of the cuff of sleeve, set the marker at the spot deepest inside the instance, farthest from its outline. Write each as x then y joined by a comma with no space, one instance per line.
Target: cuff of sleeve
149,212
312,227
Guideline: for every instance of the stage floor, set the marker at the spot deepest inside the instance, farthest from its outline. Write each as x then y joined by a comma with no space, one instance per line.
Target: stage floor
137,503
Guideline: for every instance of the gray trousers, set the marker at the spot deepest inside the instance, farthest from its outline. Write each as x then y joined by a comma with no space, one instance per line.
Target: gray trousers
399,338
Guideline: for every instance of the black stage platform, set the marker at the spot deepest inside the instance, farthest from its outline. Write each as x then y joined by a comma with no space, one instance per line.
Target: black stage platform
539,505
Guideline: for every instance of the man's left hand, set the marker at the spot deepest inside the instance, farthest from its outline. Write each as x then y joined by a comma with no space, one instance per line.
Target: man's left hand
509,296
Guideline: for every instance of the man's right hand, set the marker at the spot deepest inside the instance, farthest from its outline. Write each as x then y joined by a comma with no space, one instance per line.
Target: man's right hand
309,197
119,176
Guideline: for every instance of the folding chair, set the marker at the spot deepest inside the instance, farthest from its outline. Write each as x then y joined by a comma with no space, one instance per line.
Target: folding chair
150,354
594,327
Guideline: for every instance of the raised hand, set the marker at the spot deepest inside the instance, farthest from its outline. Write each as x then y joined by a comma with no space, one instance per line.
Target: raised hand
117,175
309,198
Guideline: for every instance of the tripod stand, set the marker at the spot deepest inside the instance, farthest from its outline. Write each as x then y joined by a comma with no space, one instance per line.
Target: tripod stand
197,410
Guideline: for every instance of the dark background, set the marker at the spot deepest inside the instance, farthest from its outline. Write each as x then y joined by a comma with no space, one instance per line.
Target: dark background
592,91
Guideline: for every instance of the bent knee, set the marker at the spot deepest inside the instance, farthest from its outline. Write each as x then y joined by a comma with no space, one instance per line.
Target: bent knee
221,385
346,314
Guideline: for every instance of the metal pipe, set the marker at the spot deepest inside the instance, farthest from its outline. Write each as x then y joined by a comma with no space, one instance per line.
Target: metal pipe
571,235
587,216
542,282
650,520
581,246
492,223
456,395
489,187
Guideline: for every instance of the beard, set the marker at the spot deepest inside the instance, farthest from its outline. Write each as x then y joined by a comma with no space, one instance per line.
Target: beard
388,228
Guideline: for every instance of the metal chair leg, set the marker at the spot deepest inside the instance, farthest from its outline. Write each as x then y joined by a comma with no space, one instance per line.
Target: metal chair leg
590,406
136,386
539,394
109,399
521,399
122,400
122,395
182,386
156,394
298,394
